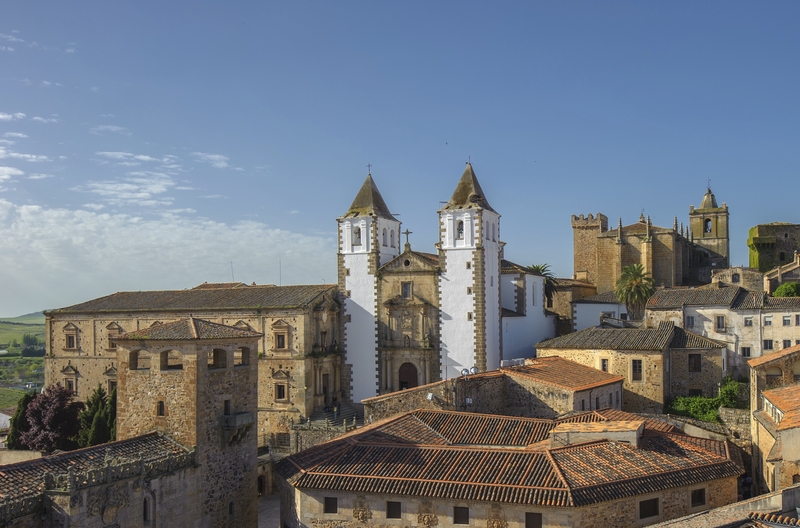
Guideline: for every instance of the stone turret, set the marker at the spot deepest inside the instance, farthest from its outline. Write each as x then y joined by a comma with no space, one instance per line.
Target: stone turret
584,237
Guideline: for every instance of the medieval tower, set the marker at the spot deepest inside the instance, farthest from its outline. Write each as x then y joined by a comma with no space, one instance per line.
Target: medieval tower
708,225
470,248
369,237
196,382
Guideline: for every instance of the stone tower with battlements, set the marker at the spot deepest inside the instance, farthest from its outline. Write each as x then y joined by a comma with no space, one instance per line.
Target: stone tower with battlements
584,240
369,237
196,382
469,253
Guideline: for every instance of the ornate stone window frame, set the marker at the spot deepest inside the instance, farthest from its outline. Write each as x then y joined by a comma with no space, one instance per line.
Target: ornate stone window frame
282,335
113,330
70,337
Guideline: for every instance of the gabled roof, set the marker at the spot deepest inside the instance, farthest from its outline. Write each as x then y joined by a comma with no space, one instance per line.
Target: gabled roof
492,458
677,298
608,297
506,266
562,373
787,399
187,329
248,297
682,338
773,357
632,339
468,193
369,201
429,261
26,479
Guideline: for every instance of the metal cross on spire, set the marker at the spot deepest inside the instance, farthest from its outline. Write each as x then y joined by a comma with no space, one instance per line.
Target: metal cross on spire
369,168
709,184
406,233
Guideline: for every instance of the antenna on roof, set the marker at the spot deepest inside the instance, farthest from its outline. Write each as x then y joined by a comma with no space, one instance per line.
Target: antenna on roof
280,271
232,279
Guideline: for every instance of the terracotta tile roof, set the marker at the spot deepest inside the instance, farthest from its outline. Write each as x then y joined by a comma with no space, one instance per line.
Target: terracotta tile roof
614,338
685,339
775,356
563,373
608,297
676,298
503,459
26,479
747,300
219,285
506,266
787,400
781,302
249,297
780,519
190,328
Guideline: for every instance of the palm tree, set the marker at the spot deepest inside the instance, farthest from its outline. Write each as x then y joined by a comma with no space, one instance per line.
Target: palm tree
634,288
550,281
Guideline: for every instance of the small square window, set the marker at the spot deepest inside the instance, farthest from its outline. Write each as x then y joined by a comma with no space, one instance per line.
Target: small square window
768,344
604,365
469,265
787,343
689,321
460,515
393,510
280,340
787,320
533,520
331,505
469,316
767,320
469,290
280,392
720,323
695,362
70,341
745,352
698,497
735,277
748,321
648,508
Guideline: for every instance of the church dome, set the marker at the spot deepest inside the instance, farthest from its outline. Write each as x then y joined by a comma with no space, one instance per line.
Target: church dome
709,201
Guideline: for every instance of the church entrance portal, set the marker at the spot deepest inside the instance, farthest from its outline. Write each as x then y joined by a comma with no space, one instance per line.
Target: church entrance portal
408,376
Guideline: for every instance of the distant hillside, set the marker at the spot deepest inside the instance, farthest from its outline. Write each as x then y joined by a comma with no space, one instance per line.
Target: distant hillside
13,328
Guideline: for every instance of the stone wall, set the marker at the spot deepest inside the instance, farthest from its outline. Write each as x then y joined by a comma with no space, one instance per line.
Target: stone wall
584,240
707,380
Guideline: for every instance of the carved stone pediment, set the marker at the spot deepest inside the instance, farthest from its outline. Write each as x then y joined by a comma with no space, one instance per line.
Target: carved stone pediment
69,370
411,261
280,324
69,327
111,372
411,301
281,374
242,325
114,326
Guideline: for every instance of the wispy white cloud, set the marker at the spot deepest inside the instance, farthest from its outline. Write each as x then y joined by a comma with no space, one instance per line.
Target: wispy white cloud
101,129
94,206
7,48
5,153
95,89
216,160
44,119
115,155
48,245
69,50
7,172
6,142
11,117
142,188
15,135
10,38
39,176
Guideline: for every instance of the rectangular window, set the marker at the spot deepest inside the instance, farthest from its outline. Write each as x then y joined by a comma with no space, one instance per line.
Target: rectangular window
636,370
280,392
469,265
767,320
745,351
648,508
469,290
469,316
405,290
698,497
797,320
787,343
226,407
604,365
70,341
280,340
617,397
583,405
695,392
768,344
71,385
460,515
597,402
689,321
720,323
695,362
787,320
533,520
748,321
393,510
331,505
610,399
160,410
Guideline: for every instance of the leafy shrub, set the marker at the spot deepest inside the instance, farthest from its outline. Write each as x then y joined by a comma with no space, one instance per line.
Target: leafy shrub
703,408
787,289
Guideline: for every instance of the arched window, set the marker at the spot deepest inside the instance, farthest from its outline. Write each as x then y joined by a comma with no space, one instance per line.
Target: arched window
391,238
139,360
774,375
486,229
494,235
241,356
460,230
384,237
146,510
408,376
171,360
707,226
217,359
357,236
161,409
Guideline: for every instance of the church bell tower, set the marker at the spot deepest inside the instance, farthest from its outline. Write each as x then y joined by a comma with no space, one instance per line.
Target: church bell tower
709,231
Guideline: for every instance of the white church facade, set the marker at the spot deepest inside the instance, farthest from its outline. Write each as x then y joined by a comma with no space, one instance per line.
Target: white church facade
410,317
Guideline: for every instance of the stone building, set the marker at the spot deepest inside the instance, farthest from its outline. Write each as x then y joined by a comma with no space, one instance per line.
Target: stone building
773,245
300,359
786,273
748,278
672,256
412,318
568,291
444,468
540,388
656,363
750,323
775,424
186,454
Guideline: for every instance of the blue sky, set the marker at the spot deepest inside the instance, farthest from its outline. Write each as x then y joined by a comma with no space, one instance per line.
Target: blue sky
147,145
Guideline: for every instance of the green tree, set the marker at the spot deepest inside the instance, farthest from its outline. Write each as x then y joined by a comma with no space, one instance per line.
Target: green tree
787,289
19,422
111,414
633,289
550,281
95,406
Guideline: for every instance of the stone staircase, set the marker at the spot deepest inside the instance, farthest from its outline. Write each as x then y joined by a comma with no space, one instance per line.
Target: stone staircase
346,413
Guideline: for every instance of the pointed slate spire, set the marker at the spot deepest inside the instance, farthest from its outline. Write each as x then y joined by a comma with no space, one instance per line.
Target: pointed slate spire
709,200
369,201
468,193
